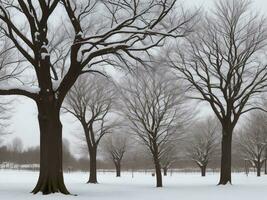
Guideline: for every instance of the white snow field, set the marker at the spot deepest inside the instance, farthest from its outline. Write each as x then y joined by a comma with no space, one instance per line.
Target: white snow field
16,185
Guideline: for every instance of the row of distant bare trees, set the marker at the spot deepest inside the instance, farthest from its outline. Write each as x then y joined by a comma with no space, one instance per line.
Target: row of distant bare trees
174,56
151,108
200,145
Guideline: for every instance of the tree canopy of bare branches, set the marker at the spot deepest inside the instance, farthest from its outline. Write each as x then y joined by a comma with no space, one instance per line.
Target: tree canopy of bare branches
154,107
91,101
203,143
252,140
115,146
224,63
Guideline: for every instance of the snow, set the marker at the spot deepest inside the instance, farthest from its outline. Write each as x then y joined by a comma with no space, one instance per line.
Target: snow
16,185
80,34
44,55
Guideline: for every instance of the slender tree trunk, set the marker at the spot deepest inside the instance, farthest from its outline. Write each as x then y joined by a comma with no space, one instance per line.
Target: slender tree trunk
265,167
158,172
226,158
165,169
51,173
258,167
93,168
203,170
118,169
258,170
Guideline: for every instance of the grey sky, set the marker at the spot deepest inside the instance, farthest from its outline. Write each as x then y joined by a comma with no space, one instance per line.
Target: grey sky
24,121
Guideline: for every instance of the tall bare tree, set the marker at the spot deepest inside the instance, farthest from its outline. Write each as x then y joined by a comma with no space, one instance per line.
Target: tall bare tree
91,101
203,143
224,63
17,145
6,60
169,158
155,110
55,52
115,145
252,140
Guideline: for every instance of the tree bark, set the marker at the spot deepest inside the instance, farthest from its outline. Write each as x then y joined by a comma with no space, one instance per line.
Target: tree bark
203,170
226,158
158,173
265,167
118,169
93,167
51,174
258,170
258,165
165,169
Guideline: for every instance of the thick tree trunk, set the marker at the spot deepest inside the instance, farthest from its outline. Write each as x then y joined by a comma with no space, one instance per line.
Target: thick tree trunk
226,158
93,167
165,169
203,170
51,173
118,169
158,172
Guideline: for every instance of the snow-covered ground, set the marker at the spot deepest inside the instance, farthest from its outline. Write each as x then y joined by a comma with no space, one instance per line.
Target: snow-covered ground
16,185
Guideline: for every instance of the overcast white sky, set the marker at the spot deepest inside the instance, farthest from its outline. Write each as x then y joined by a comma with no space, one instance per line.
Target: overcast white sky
24,120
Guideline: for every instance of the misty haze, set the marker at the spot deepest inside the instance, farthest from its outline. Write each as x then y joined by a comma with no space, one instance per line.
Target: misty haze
133,99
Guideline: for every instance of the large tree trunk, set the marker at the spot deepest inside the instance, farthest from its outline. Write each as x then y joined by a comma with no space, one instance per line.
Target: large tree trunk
158,172
51,173
165,170
226,158
118,169
203,170
93,167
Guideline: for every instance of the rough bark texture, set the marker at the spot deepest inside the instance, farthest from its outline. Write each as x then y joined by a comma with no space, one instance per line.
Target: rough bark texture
203,170
93,167
158,173
51,173
226,158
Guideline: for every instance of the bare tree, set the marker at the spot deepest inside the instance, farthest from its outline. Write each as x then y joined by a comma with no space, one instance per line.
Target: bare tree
224,64
115,145
3,154
169,158
91,101
17,145
5,114
252,141
68,158
16,149
6,59
55,54
155,110
203,143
